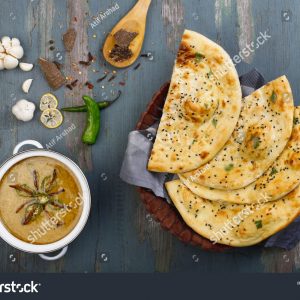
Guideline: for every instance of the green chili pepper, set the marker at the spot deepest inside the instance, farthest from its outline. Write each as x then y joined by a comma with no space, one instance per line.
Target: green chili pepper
91,131
83,108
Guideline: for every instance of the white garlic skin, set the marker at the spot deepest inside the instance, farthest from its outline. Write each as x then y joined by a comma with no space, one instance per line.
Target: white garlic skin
24,110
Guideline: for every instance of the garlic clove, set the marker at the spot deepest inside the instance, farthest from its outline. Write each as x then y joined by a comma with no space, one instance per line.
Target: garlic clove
10,62
25,66
15,42
26,85
16,51
2,50
6,42
1,64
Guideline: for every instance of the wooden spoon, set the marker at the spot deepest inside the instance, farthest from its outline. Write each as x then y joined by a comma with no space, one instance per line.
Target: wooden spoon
134,21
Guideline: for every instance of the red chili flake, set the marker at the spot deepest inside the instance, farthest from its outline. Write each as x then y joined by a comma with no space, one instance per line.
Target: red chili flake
122,83
89,85
112,78
102,78
137,66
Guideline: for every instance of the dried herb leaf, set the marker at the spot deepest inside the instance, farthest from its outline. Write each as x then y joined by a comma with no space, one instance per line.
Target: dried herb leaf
229,167
258,224
198,57
273,97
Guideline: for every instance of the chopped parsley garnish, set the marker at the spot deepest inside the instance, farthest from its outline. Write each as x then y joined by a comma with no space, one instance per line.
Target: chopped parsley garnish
198,56
258,224
273,97
256,142
214,122
209,73
273,171
229,167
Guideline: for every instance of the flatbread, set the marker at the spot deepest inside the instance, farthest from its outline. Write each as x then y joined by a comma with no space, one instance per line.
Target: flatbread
281,178
262,132
201,109
234,224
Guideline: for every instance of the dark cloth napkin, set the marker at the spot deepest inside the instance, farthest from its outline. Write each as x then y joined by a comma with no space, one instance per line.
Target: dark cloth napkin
134,168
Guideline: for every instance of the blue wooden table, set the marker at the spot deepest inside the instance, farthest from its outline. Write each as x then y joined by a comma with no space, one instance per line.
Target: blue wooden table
120,235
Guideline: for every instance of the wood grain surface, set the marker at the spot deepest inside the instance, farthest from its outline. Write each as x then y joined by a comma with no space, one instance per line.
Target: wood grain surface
120,235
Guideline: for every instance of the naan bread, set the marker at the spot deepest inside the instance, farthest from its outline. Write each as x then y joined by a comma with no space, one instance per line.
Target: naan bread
201,109
234,224
281,178
262,132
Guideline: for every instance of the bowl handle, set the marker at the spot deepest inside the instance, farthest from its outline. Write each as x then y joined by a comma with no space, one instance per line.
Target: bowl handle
58,256
27,142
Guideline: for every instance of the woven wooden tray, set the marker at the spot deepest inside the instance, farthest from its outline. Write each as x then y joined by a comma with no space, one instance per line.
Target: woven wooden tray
163,212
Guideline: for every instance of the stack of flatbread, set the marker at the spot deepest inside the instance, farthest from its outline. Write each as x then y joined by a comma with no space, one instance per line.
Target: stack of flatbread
238,160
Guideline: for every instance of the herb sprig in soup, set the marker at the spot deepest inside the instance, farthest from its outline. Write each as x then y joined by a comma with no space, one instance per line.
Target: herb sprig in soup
43,197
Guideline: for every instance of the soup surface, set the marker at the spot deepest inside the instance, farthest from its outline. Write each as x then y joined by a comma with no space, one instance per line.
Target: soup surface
40,200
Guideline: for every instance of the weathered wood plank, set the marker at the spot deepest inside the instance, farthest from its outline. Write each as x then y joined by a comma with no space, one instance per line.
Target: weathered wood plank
77,11
246,28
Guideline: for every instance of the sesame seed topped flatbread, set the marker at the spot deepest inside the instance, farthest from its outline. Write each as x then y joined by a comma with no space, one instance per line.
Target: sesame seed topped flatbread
262,132
201,109
281,178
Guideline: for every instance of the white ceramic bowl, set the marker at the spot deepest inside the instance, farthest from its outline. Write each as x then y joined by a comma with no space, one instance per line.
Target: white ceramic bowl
86,202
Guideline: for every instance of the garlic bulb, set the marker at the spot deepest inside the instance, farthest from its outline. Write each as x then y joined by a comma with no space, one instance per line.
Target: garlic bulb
10,53
23,110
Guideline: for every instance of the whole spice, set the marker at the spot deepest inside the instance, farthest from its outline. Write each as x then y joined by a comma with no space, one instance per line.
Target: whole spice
121,51
89,61
69,39
101,105
137,66
89,85
123,38
112,78
102,78
92,129
52,74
